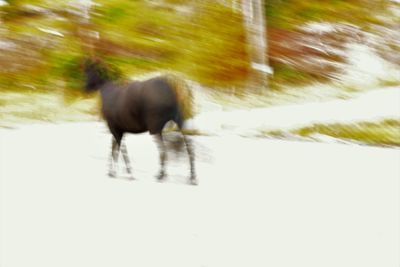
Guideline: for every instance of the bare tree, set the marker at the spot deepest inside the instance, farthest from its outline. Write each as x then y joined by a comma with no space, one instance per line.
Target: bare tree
255,25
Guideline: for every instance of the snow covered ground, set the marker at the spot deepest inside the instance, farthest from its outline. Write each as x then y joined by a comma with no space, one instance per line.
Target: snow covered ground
259,203
371,106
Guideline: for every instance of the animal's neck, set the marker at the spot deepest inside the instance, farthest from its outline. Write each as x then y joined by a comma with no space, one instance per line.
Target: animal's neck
107,89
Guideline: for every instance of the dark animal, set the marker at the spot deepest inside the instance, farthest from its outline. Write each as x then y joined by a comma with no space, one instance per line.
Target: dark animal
136,107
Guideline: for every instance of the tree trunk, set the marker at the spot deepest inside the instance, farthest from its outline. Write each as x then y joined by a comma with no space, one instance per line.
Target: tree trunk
255,25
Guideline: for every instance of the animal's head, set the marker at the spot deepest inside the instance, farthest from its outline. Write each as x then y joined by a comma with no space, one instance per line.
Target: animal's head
94,74
98,73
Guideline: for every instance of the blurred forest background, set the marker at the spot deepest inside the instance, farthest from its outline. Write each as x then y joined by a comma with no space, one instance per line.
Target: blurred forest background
42,43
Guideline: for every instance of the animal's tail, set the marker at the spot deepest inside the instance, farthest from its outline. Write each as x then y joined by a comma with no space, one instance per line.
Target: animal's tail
185,110
184,96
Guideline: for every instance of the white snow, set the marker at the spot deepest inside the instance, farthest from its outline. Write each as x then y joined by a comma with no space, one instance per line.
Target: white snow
262,67
365,68
369,106
319,27
51,31
6,45
259,203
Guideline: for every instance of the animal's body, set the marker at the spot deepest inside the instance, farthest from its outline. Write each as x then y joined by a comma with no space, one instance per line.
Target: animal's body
136,107
139,107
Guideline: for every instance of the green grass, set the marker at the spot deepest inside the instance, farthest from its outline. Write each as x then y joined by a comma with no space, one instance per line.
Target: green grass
389,82
385,132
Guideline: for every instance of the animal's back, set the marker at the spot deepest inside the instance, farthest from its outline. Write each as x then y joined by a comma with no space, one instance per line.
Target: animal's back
140,106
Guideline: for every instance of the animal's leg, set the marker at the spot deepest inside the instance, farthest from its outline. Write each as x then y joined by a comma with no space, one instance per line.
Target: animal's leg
113,158
163,155
126,159
116,143
189,148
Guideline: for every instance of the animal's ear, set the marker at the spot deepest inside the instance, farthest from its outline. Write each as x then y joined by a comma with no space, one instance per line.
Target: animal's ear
82,63
90,61
87,62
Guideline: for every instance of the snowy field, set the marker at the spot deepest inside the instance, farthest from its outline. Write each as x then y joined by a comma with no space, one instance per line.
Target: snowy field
258,203
372,106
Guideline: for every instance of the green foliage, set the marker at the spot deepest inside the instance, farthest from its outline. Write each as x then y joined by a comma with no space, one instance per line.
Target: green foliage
381,133
287,74
288,14
386,132
190,41
38,40
205,40
50,37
